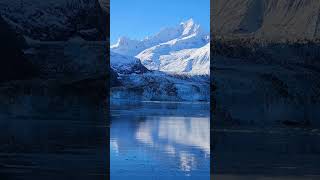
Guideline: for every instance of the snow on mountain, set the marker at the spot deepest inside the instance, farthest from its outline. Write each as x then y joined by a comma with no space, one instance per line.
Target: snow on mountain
131,47
182,53
159,86
126,64
157,57
193,61
126,46
180,49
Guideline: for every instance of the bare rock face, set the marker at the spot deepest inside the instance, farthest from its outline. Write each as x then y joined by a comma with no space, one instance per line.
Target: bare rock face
56,20
267,19
69,61
122,64
65,42
113,78
265,60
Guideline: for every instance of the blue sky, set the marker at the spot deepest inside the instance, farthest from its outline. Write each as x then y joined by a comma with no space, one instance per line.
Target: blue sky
137,19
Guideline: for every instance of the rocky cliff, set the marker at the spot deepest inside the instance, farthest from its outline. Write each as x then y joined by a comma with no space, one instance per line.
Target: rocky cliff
267,19
265,62
57,19
62,43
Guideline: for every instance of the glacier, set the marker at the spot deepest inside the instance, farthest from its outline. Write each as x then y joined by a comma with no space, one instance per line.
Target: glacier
158,86
167,66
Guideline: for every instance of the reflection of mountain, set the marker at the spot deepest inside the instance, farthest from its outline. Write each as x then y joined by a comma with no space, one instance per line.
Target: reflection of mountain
181,143
177,131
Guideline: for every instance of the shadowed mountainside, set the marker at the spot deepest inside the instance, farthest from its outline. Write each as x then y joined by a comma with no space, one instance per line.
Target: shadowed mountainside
267,19
265,86
13,64
56,20
266,69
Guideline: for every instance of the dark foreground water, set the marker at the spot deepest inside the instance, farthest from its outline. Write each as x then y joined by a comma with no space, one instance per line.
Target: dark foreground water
269,153
158,140
51,137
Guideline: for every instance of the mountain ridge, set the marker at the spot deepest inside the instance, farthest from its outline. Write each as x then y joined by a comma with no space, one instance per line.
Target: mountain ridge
276,20
172,46
57,20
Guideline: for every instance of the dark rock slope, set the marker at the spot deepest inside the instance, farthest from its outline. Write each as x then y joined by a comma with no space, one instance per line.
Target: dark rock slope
267,19
56,19
13,64
265,62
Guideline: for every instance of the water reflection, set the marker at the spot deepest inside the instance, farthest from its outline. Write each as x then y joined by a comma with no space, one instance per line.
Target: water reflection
160,146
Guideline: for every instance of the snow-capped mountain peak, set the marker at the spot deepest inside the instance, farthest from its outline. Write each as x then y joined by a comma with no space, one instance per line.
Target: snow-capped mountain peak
189,27
126,43
189,22
123,41
169,65
163,35
173,49
129,47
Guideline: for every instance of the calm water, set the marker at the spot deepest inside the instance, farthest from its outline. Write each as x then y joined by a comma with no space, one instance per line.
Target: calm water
153,140
51,137
268,153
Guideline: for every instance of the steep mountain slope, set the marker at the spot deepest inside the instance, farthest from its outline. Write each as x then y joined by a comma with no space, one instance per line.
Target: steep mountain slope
192,61
172,65
126,64
56,19
180,49
152,57
273,82
181,32
159,86
267,19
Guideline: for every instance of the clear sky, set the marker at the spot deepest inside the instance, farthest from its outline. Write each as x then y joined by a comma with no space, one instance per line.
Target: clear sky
137,19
